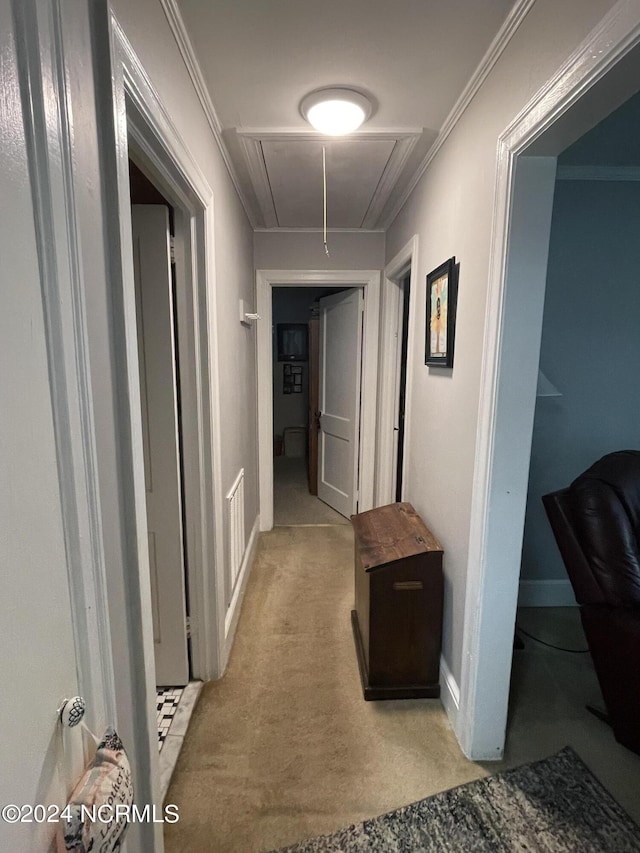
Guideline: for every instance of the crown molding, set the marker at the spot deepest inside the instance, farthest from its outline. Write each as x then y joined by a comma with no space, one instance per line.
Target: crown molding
598,173
392,171
179,30
504,35
251,148
495,50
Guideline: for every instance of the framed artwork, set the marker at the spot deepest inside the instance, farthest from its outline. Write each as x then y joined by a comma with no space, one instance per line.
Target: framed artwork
292,379
442,294
293,342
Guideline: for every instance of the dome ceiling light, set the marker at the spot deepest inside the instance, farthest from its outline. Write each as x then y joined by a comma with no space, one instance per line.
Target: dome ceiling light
337,111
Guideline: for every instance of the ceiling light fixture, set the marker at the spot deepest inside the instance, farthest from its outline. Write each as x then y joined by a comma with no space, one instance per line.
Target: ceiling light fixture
337,111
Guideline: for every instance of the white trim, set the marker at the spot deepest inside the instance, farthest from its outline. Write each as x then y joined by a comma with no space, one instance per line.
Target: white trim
286,134
392,171
449,693
40,51
265,280
187,51
251,146
233,612
126,101
288,230
156,136
388,374
495,50
598,173
508,382
124,494
546,593
257,168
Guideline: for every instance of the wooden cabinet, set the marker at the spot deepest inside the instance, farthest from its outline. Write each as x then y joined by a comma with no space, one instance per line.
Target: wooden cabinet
397,621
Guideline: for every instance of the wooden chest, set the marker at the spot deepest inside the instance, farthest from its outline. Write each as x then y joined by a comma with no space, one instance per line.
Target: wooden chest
397,621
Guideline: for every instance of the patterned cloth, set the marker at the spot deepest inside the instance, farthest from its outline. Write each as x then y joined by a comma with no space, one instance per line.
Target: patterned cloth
106,782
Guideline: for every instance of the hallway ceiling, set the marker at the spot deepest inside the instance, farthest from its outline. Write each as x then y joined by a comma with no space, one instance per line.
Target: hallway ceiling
259,58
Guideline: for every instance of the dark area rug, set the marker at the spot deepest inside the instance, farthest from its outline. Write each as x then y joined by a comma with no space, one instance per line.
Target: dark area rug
549,806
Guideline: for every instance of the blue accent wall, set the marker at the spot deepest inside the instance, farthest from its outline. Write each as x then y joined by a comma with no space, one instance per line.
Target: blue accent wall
590,349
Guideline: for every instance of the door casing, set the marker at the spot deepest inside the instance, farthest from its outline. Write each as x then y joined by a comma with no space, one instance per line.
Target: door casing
389,371
597,76
369,280
146,134
134,123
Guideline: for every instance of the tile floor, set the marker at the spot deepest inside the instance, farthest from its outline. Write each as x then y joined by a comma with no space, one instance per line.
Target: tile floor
174,708
168,699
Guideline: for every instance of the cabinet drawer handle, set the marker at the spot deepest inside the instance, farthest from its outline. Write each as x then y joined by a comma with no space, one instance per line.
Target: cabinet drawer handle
407,585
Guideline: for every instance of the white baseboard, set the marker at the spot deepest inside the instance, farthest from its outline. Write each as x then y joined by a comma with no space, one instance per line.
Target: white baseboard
546,593
449,693
233,612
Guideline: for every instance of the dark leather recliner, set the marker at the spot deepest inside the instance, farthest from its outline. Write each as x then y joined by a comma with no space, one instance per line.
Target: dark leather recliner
596,523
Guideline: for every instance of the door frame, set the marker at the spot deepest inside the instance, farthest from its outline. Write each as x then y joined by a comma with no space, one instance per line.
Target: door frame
513,328
129,111
369,280
145,131
389,371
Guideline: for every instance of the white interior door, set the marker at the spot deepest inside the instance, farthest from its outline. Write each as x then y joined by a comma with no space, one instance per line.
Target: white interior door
341,320
158,392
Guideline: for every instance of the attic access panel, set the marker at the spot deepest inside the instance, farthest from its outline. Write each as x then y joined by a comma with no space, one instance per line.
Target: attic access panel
354,170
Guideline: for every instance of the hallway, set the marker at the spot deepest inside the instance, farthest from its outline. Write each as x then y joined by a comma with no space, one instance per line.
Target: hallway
292,501
284,746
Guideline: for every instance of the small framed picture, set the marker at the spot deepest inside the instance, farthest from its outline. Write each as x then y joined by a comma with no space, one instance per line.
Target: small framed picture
292,379
442,295
293,341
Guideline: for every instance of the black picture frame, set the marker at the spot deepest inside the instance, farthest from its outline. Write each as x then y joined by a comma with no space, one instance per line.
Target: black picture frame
442,300
292,378
293,341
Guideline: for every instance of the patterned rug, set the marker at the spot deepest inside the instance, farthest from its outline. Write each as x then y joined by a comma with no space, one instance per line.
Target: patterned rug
549,806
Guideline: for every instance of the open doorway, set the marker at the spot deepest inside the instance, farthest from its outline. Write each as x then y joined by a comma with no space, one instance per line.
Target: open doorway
347,327
575,100
153,235
398,312
296,407
587,406
403,341
146,136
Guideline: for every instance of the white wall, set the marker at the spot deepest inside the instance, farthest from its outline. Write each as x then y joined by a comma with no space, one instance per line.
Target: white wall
451,211
38,662
590,349
287,250
145,25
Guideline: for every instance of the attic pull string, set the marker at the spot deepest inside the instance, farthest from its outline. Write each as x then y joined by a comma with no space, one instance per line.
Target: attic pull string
324,198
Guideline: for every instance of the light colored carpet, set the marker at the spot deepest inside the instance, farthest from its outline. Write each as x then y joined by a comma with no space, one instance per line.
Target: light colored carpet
549,691
292,503
284,748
